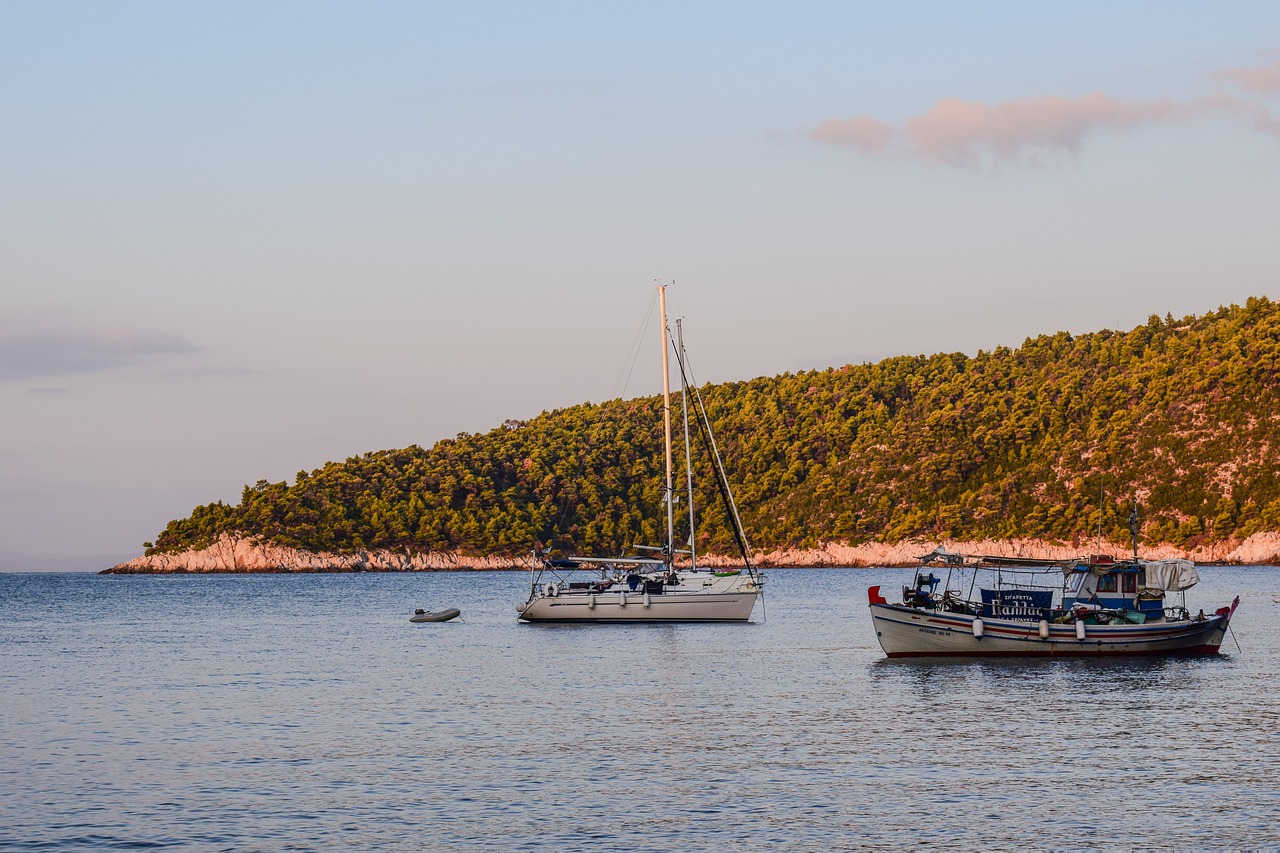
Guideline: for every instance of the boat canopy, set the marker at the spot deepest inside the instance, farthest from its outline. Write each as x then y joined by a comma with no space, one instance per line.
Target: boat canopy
1171,575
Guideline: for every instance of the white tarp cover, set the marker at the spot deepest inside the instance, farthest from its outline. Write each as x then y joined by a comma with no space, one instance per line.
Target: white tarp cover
1172,575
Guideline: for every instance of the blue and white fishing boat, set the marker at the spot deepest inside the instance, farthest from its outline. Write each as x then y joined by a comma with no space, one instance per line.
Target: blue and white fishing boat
1039,608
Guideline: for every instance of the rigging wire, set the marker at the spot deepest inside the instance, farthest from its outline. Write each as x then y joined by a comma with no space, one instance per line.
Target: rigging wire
688,459
709,442
628,367
633,355
1232,633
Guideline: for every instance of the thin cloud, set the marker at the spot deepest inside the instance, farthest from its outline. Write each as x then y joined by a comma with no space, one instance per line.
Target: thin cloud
865,133
43,354
970,134
964,133
213,373
1263,81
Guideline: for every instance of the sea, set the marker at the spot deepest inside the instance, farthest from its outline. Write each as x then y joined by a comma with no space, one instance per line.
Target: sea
305,712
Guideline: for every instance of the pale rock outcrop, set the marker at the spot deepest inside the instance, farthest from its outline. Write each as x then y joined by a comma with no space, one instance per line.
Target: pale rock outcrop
908,553
243,554
1259,549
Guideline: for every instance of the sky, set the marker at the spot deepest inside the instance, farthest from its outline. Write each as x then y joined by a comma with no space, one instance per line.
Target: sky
240,240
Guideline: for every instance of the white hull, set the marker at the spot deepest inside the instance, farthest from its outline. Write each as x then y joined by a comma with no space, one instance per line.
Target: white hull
731,603
914,632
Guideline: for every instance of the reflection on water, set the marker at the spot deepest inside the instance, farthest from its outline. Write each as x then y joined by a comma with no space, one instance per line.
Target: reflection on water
306,712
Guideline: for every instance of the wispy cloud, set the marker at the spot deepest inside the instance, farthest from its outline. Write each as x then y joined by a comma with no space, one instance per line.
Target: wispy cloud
1263,81
42,354
212,373
865,133
1031,131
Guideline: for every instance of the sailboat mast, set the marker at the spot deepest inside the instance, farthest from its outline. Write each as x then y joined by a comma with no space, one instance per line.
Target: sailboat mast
669,493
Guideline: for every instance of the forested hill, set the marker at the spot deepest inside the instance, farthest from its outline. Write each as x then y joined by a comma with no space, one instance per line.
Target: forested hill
1020,442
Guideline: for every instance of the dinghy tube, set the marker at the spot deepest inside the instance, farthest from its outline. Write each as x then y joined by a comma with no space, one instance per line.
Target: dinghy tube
421,615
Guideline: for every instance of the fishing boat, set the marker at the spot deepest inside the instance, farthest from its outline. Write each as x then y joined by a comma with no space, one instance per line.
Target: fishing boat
1092,606
663,583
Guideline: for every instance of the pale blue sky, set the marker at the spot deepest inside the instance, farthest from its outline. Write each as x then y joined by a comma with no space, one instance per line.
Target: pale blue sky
238,240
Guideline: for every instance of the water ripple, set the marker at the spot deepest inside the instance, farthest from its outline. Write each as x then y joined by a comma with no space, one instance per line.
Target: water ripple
306,713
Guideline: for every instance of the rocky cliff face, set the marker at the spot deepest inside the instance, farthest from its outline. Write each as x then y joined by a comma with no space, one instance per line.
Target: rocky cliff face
238,554
1259,549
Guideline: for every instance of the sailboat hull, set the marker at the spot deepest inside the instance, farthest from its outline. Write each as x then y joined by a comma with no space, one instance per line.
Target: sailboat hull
636,607
913,632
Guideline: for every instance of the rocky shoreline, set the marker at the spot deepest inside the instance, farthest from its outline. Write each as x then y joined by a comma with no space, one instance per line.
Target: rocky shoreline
234,554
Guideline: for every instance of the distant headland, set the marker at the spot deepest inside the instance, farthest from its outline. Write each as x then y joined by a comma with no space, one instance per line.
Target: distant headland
1038,451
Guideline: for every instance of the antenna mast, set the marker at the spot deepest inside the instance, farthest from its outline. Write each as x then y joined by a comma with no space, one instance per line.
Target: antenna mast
1133,527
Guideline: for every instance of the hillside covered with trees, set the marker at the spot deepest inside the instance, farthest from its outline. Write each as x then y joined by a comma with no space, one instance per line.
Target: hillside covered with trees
1181,414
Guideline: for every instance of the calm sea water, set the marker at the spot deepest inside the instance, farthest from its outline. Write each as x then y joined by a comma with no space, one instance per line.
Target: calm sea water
306,713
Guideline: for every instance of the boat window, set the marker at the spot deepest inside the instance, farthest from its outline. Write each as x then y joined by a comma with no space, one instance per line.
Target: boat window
1129,583
1076,579
1107,583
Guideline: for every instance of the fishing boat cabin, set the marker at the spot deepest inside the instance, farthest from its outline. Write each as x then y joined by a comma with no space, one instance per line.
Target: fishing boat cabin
1098,589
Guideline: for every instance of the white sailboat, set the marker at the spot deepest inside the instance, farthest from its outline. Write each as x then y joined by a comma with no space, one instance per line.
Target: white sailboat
666,584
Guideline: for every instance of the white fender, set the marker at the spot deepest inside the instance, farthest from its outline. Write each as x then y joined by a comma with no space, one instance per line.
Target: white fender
591,601
646,599
977,628
1044,629
622,599
520,606
1080,630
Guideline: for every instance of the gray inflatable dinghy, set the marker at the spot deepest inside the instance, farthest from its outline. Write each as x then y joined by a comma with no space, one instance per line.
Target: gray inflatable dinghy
434,615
